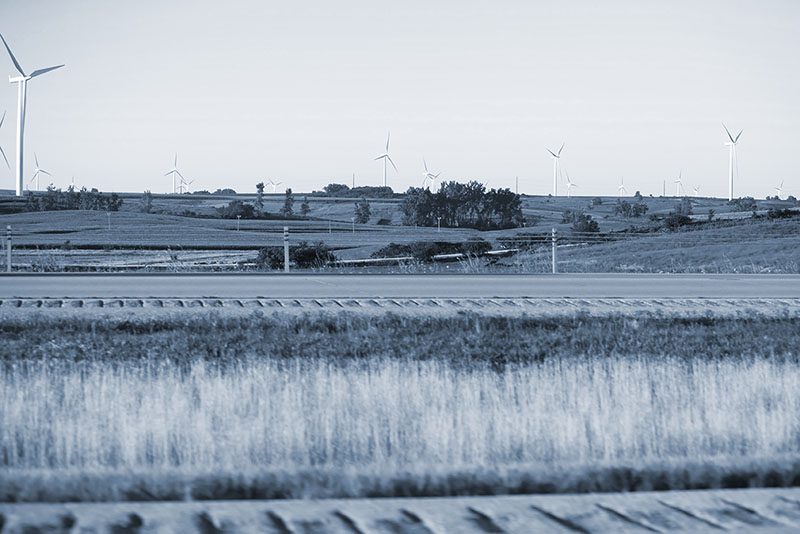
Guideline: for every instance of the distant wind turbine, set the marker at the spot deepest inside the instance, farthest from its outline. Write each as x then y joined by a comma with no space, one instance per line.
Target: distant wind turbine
22,96
779,189
183,185
37,172
696,190
428,176
385,157
556,165
570,185
731,157
621,189
174,172
274,184
679,184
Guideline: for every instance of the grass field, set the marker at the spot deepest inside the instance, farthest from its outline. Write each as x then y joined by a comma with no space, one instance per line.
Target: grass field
210,407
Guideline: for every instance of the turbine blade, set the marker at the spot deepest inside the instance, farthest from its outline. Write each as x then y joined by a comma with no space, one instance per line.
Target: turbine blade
388,135
176,160
562,147
728,132
379,157
424,163
168,173
39,72
36,159
5,158
392,162
13,59
738,136
45,172
2,119
551,153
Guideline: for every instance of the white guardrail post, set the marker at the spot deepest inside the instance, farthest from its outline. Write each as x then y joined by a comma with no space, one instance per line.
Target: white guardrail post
286,249
555,260
8,248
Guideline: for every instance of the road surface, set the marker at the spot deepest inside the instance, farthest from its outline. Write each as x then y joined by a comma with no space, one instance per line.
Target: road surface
396,286
749,510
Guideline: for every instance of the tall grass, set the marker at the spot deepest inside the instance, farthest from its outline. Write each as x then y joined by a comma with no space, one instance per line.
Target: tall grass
393,396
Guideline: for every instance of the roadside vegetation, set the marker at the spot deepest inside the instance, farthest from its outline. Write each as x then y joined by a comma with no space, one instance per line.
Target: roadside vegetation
350,406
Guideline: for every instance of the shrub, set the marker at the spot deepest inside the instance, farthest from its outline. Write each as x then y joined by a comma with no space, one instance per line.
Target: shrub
303,255
628,209
743,204
226,191
426,250
237,208
362,211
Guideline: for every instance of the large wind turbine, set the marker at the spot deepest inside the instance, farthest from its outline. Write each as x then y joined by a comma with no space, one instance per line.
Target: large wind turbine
274,184
779,189
556,164
731,158
428,176
174,172
679,184
1,148
385,157
22,95
37,172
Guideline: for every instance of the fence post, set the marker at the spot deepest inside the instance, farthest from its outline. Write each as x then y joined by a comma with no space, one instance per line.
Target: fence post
555,261
8,248
286,249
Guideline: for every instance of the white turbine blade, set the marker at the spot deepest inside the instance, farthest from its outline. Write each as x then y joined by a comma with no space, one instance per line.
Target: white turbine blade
176,171
380,157
738,136
424,163
168,173
45,172
560,149
39,72
2,119
388,135
13,59
551,153
4,157
728,132
36,159
392,162
176,160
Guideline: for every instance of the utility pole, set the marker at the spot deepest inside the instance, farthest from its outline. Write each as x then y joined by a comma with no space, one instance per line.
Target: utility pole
286,249
555,267
238,218
8,248
516,185
108,216
354,224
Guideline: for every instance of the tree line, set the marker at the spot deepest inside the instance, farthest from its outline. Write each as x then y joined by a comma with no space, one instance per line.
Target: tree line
84,199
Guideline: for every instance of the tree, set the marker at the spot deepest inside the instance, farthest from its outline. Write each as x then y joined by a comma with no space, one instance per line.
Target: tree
583,224
147,201
362,211
237,208
260,197
305,209
288,204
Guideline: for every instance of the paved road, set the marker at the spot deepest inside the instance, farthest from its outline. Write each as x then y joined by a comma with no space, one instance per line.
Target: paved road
397,286
760,510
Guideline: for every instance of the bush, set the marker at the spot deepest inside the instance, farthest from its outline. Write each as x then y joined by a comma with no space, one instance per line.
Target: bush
585,225
362,211
383,221
225,191
628,210
426,250
237,208
743,204
302,256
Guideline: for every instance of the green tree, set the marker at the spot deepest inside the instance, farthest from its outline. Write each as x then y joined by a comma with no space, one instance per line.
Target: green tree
260,197
147,201
288,204
362,212
304,207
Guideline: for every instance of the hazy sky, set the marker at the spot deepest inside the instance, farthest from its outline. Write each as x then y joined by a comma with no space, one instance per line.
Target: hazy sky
305,91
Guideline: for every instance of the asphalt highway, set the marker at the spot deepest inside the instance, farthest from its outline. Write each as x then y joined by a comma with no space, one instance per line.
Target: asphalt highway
397,286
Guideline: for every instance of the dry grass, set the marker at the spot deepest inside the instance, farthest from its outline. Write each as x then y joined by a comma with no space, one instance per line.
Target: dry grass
347,406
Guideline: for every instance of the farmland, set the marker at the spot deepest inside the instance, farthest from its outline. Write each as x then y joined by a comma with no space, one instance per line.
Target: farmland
320,406
167,239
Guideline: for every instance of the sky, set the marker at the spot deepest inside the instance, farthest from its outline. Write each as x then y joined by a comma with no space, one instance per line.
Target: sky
305,92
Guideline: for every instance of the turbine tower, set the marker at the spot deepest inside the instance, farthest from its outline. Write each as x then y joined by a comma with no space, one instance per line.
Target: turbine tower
621,189
731,158
37,172
385,157
174,172
1,148
556,165
428,176
22,96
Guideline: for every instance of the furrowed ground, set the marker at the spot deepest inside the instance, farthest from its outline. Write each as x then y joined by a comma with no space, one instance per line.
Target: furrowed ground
216,407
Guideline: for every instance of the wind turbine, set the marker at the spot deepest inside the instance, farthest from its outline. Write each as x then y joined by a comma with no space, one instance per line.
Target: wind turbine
22,96
731,158
428,176
174,172
570,185
556,165
37,172
1,148
696,190
183,185
679,184
621,189
779,189
274,184
385,157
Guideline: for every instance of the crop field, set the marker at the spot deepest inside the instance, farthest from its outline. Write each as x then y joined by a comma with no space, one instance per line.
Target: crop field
215,407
